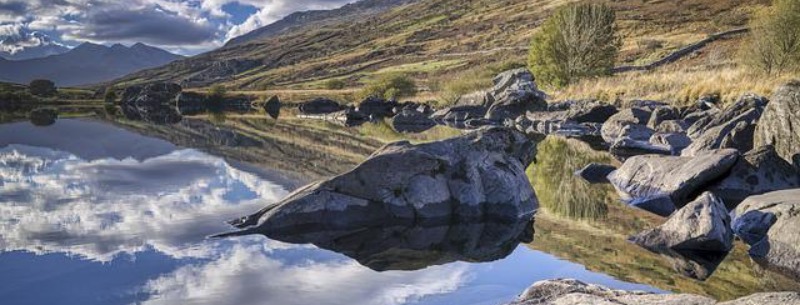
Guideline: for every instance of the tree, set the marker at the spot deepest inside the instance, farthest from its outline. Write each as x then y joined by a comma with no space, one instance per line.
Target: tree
42,87
577,41
774,43
390,87
111,95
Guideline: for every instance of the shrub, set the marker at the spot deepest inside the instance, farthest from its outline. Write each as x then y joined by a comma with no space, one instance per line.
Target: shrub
42,87
774,43
577,41
334,84
217,92
390,87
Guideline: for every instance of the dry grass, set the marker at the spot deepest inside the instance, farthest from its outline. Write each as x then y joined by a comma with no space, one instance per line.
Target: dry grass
679,86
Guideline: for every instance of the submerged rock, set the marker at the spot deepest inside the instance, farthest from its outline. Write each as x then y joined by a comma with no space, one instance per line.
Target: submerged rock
459,113
411,120
479,176
320,106
660,184
574,292
273,107
702,225
780,124
770,224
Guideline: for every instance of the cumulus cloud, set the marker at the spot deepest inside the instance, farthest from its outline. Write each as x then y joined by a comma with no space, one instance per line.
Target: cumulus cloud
53,201
187,25
246,275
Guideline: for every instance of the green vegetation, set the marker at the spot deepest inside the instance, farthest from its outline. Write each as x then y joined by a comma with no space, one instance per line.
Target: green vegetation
450,86
334,84
390,87
578,41
111,95
774,44
217,92
558,190
43,88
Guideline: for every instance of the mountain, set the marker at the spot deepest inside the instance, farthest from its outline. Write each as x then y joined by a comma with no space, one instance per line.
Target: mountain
28,45
319,18
427,37
86,64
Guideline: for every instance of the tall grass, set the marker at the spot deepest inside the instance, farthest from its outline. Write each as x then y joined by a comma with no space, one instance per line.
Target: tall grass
559,191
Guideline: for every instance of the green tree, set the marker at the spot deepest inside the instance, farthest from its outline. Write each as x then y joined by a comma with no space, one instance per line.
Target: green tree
390,87
42,87
111,95
774,43
578,41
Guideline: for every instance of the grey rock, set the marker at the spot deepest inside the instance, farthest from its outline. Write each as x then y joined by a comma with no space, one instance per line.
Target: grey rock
730,132
650,179
376,107
701,118
574,292
780,124
675,141
409,120
701,225
648,105
626,147
770,224
590,112
745,103
613,127
459,113
273,107
595,172
320,106
478,176
662,114
478,98
515,93
672,126
756,172
155,93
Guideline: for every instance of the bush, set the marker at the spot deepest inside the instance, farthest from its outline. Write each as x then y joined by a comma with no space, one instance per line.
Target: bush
111,95
217,92
774,43
334,84
578,41
42,87
390,87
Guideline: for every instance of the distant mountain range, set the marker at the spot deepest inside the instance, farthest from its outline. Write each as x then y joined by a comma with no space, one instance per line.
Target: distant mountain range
319,18
29,45
86,64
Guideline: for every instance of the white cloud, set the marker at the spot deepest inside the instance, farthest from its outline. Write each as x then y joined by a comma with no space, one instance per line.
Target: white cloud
53,201
245,275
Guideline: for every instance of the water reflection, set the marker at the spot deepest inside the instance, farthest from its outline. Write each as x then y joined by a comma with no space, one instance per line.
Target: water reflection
100,215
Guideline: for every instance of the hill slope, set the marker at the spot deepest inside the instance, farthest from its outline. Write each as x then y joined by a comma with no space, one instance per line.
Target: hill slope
86,64
438,36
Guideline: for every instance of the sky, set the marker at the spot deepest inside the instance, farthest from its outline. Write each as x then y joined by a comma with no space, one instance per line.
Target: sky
182,26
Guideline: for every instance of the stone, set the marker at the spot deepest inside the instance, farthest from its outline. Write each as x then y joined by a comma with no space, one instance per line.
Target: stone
409,120
756,172
154,103
614,126
780,124
590,112
672,126
662,114
626,147
479,176
745,103
702,118
676,142
273,107
575,292
320,106
770,224
459,113
725,132
376,107
515,93
595,173
669,182
702,225
478,98
43,116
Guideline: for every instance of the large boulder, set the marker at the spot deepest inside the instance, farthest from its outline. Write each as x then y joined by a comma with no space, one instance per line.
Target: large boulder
515,93
702,225
154,93
590,112
478,176
676,142
411,120
780,124
273,107
376,107
744,104
614,127
756,172
459,113
660,184
732,133
320,106
770,224
662,114
595,172
574,292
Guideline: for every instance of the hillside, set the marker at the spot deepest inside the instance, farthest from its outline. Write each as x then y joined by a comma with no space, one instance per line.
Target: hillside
431,38
86,64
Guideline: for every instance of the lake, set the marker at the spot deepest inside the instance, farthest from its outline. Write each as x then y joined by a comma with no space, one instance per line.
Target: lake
100,210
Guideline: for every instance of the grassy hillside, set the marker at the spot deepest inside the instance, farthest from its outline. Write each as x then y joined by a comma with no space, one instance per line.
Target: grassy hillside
440,41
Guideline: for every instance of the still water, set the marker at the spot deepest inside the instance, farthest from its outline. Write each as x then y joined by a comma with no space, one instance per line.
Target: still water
99,211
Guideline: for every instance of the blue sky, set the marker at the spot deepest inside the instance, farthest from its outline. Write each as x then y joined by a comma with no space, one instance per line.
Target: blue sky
181,26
